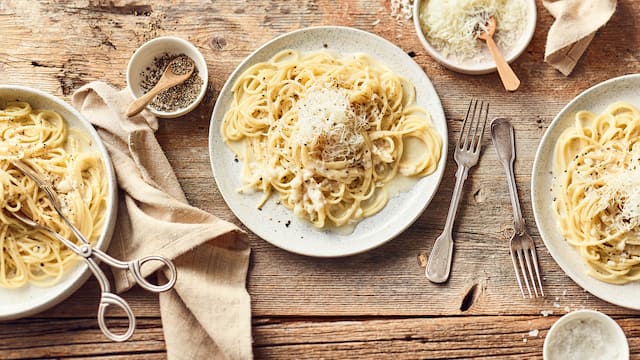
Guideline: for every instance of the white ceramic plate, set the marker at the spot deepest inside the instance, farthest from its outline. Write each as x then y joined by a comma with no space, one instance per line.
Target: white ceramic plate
29,300
279,226
595,99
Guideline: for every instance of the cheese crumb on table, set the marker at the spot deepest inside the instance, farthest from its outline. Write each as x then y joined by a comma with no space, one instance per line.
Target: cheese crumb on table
402,9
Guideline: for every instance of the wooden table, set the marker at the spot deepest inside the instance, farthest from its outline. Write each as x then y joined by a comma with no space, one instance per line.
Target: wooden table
374,305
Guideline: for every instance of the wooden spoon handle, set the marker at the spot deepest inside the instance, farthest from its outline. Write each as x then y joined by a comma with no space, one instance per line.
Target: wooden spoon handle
509,78
138,104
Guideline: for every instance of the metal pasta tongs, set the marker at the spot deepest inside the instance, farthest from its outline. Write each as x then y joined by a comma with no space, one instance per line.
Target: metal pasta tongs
91,254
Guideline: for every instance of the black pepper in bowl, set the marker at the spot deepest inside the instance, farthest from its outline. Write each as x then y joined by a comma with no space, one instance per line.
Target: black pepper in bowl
179,96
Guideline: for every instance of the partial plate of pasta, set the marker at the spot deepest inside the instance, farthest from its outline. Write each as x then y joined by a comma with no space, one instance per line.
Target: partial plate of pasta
585,194
328,141
36,270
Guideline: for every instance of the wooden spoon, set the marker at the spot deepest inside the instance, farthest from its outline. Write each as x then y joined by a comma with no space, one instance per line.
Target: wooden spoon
509,78
168,79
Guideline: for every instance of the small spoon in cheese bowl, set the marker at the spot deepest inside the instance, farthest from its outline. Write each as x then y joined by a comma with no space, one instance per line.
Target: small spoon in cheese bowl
509,78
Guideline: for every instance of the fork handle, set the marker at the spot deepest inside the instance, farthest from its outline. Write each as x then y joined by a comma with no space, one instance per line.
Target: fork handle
461,176
439,262
518,220
503,136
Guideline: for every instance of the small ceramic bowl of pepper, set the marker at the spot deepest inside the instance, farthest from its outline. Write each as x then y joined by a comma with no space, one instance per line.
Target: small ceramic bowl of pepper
147,65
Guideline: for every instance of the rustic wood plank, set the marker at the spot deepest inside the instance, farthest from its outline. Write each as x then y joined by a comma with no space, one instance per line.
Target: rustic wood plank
372,305
86,300
510,337
48,338
160,355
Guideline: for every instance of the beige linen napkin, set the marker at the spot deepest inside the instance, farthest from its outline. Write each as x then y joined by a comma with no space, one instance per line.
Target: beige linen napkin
576,24
207,315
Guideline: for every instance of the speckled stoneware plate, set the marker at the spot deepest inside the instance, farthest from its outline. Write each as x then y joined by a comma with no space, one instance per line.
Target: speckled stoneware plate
30,299
280,226
595,99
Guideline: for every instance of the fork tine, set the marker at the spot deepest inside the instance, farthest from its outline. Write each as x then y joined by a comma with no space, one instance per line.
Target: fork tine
527,258
474,138
484,124
515,267
535,265
520,253
475,123
465,127
476,141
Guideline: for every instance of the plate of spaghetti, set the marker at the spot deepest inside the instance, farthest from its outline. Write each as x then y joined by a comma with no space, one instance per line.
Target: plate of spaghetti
328,141
36,270
586,190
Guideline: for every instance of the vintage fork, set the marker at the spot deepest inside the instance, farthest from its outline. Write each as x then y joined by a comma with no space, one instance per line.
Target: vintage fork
521,245
466,155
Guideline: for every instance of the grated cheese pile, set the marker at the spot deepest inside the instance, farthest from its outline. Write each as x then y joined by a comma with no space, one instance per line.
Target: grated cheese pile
620,189
624,189
331,130
451,26
329,125
583,339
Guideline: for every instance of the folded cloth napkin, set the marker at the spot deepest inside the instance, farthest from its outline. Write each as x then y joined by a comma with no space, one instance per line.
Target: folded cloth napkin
576,24
207,314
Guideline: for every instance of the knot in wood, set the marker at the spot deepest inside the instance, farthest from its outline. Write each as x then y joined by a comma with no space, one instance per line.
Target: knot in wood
218,43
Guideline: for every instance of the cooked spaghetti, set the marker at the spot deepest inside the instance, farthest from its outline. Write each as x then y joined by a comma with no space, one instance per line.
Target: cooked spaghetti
597,166
327,133
42,139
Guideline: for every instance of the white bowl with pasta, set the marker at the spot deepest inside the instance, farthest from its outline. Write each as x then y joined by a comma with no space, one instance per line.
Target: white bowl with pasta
449,41
547,182
97,188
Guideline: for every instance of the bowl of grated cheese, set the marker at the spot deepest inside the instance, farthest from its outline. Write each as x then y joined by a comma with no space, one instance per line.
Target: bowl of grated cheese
585,335
448,30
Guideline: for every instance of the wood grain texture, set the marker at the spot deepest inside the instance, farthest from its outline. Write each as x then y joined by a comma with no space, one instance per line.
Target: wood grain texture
510,337
373,305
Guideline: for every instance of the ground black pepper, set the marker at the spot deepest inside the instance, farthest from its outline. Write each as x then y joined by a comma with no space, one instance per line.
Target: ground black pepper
177,97
181,64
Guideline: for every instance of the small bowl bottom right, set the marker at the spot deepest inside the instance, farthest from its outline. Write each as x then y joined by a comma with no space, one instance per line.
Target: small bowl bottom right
584,335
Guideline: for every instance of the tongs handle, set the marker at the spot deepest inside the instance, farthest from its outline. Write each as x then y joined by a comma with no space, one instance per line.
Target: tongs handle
107,299
135,268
